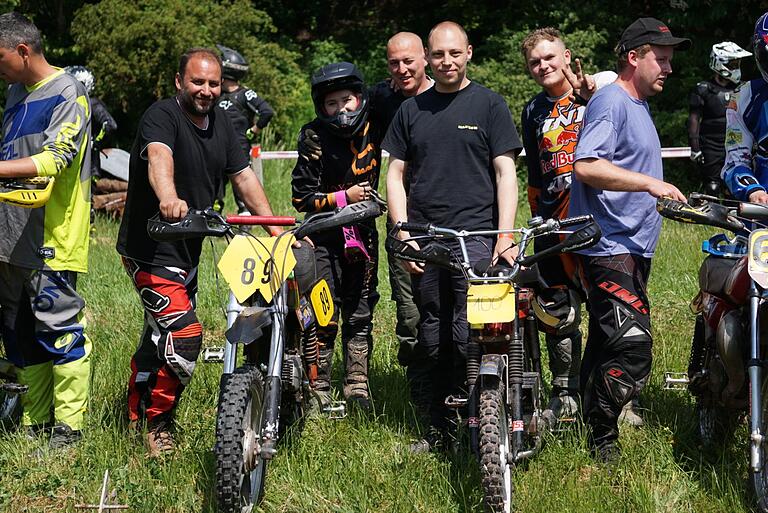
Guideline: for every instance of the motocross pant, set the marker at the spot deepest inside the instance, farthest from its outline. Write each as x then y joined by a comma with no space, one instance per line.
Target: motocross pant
353,286
43,329
170,342
438,364
617,358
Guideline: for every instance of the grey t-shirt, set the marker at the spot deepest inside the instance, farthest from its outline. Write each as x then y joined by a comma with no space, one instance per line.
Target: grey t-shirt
619,128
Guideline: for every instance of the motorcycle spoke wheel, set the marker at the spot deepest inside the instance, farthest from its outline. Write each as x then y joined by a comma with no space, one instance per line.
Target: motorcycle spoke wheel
495,468
760,478
240,470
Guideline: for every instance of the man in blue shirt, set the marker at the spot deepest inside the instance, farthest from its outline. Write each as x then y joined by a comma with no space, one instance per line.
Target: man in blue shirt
618,176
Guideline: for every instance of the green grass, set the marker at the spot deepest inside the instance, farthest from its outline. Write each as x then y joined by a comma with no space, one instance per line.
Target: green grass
357,464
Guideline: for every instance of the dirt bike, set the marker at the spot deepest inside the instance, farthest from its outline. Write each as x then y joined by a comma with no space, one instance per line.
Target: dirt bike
725,371
504,383
279,302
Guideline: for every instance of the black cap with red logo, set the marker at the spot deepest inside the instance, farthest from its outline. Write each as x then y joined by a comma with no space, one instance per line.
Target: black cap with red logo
649,31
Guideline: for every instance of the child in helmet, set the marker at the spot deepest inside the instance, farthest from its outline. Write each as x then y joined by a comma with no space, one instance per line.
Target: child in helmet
347,172
706,121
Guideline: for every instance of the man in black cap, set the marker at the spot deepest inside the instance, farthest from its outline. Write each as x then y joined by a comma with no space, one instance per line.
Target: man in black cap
619,175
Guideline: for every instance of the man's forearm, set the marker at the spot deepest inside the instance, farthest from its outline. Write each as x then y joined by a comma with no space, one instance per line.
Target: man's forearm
601,174
19,168
251,191
160,172
506,190
397,202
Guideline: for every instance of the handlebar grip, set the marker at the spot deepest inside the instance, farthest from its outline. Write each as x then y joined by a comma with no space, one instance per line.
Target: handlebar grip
570,221
754,211
262,220
416,227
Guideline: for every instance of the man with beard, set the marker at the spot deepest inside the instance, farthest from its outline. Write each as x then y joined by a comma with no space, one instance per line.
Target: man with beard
458,143
619,175
184,148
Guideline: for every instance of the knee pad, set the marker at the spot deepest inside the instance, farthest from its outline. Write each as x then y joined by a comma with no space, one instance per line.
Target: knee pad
619,385
558,310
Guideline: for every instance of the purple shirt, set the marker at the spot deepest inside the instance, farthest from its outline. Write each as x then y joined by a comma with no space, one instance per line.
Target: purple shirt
619,129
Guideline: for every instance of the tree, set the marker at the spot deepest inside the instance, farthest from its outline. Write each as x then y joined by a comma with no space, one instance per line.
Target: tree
133,48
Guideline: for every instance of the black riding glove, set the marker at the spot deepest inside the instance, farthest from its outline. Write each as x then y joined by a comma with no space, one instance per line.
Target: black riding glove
309,145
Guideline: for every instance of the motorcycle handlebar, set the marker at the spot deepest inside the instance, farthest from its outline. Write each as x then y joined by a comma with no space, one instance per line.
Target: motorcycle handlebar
261,220
754,211
416,227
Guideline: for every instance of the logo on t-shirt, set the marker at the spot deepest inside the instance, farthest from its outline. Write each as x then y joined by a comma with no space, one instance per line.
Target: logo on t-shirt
467,127
46,253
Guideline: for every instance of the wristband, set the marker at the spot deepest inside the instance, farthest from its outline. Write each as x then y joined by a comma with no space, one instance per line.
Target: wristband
506,236
341,198
273,232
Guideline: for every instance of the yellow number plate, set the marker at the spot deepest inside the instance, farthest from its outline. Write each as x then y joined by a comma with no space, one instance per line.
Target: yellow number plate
758,257
262,263
322,303
491,303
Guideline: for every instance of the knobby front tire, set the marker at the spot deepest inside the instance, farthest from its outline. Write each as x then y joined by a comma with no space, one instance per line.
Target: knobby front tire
240,470
495,469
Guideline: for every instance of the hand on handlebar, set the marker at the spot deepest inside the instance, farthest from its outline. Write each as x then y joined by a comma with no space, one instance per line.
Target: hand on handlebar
359,192
506,249
173,210
411,267
659,188
759,197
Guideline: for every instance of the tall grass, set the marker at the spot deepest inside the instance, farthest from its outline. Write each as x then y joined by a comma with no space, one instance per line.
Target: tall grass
359,464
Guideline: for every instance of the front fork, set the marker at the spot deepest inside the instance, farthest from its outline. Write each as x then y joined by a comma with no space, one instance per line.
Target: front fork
754,367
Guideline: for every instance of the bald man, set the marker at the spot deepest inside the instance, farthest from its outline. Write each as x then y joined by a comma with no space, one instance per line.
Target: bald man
458,142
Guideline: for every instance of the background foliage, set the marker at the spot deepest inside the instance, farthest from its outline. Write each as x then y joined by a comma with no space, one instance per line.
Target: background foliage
133,46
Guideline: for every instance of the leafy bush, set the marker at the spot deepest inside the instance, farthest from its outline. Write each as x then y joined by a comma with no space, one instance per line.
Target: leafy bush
133,48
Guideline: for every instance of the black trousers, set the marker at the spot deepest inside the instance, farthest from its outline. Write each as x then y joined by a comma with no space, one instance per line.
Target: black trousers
438,364
617,357
353,288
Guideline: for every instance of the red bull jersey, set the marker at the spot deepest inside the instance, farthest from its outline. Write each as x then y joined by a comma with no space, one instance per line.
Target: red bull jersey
550,130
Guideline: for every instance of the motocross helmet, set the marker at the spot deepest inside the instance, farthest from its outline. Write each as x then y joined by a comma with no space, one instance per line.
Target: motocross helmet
725,60
82,75
557,310
334,77
234,65
760,45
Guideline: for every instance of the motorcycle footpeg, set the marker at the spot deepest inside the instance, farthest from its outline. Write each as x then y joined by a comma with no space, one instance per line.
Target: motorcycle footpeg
14,388
213,355
455,401
675,381
337,410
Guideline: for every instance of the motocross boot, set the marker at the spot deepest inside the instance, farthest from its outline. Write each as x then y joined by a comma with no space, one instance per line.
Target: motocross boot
322,387
356,354
563,406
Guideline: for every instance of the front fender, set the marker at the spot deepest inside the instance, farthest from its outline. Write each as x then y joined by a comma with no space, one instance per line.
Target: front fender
492,365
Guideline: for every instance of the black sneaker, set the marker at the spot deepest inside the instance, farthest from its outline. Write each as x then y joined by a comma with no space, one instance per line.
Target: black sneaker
63,436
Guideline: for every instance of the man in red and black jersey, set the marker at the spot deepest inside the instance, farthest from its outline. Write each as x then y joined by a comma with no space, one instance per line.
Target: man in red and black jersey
550,125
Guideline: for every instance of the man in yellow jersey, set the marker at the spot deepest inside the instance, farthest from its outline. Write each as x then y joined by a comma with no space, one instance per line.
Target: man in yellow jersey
46,127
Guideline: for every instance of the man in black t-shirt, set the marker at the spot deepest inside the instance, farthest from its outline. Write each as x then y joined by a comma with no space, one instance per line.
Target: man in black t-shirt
184,148
458,143
706,118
